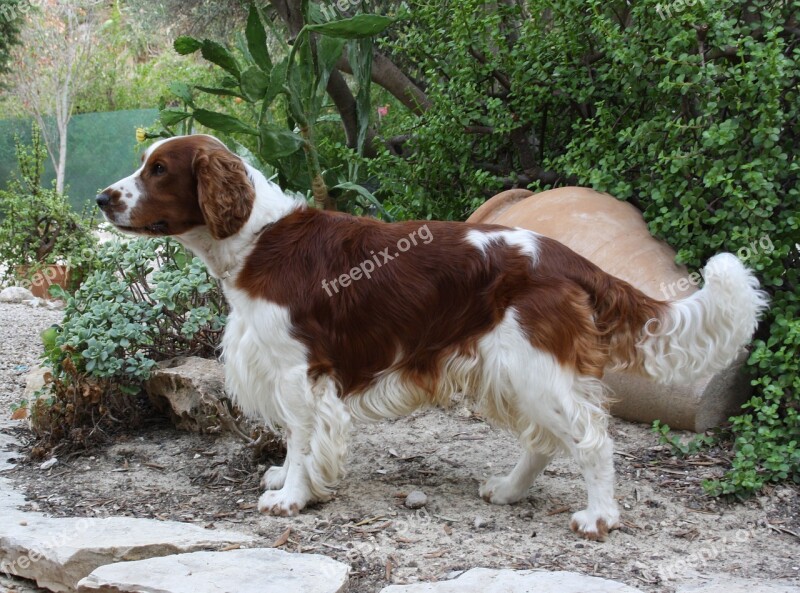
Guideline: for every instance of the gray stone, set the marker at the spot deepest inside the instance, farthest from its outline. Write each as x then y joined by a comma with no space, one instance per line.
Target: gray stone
726,584
416,500
8,454
188,389
485,580
481,522
10,499
15,294
57,553
258,570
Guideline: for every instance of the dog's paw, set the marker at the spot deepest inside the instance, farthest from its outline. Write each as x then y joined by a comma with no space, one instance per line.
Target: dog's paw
274,478
501,490
283,502
594,526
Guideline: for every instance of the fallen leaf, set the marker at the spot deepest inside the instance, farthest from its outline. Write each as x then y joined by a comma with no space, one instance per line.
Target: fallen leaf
283,538
20,414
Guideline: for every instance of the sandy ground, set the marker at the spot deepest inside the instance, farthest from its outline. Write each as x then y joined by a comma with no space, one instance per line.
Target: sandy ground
673,535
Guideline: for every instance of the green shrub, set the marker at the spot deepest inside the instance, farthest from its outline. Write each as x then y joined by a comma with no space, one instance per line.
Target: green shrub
38,227
149,300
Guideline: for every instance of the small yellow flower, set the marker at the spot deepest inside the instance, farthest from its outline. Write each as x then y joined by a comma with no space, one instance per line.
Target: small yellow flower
141,136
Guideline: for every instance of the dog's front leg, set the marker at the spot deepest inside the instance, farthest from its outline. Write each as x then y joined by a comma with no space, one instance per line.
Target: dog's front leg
317,430
295,492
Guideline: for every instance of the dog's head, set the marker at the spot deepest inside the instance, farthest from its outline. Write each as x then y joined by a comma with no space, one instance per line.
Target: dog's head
184,183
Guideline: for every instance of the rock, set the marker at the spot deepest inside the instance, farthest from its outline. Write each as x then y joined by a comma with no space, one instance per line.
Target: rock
10,499
15,294
481,523
726,584
57,553
49,463
243,571
612,234
485,580
416,500
188,388
8,457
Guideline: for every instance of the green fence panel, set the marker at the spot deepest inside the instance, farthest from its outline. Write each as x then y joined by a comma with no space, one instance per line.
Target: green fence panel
101,148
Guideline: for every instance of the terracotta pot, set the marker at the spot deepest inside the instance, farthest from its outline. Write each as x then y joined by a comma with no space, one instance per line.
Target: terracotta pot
39,280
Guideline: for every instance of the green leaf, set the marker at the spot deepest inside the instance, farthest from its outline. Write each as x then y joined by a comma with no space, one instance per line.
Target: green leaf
279,142
186,45
223,123
277,78
218,91
170,117
219,55
360,52
254,84
329,50
363,192
357,27
257,40
183,91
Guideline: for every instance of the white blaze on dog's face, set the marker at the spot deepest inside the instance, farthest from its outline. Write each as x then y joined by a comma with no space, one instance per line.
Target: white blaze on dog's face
183,183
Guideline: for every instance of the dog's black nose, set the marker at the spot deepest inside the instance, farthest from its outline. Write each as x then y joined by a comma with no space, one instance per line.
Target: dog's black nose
103,199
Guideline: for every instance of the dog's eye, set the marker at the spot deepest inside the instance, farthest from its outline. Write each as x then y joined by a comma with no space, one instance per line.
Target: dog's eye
158,169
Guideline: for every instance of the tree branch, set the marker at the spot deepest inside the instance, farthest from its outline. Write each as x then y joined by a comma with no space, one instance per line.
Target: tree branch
387,75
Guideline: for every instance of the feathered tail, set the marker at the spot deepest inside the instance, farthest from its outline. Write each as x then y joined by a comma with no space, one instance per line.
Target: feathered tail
703,333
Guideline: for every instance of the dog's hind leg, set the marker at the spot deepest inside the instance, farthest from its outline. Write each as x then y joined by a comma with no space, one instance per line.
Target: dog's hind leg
582,425
318,427
514,486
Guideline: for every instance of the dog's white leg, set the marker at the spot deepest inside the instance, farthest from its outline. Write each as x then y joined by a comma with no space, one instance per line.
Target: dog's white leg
513,487
581,423
275,477
316,441
295,493
602,514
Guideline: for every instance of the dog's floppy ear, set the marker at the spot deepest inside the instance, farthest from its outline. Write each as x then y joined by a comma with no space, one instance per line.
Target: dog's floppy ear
224,191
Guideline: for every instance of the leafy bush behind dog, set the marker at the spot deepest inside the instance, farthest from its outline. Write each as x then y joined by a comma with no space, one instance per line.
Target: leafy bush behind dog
689,112
150,300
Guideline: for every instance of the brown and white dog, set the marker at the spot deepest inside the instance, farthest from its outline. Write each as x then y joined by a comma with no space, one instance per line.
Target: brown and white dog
336,317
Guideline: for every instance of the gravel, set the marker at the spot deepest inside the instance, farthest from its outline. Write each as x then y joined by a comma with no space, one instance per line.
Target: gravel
20,348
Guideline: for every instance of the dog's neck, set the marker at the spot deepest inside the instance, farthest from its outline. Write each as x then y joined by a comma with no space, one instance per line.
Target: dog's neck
224,257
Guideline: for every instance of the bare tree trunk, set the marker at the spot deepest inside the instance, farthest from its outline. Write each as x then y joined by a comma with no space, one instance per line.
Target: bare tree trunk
62,159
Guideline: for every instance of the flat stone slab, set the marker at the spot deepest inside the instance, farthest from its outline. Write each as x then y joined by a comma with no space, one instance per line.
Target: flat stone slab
8,457
485,580
724,584
258,570
10,499
59,552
